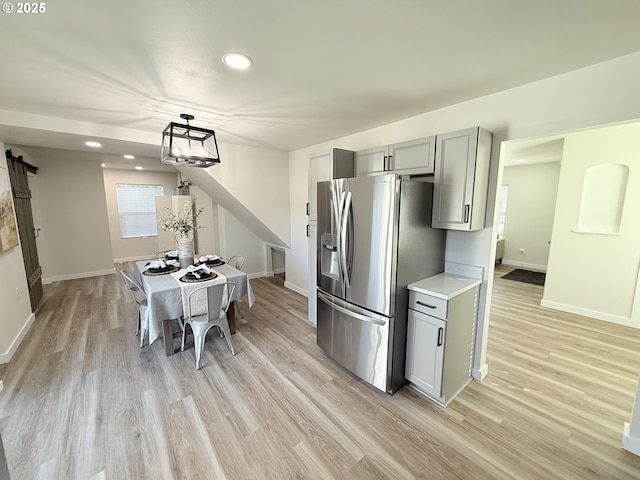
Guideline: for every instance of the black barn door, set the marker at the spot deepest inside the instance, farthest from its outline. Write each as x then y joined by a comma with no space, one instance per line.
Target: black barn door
18,170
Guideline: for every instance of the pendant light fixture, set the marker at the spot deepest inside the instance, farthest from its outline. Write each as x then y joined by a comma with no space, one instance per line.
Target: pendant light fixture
188,145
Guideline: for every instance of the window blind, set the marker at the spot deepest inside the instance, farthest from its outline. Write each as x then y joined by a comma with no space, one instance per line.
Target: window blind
137,209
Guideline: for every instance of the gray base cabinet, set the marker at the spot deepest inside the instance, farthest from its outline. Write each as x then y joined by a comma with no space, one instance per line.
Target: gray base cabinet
441,335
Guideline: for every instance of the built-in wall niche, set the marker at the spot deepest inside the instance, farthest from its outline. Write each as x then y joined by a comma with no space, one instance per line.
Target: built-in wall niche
602,202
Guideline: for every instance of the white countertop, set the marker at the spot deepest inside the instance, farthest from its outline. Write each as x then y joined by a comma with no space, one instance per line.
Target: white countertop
444,285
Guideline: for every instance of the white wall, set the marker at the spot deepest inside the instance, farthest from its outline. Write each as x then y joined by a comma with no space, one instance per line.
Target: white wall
130,249
596,274
70,207
208,230
236,239
531,204
255,180
15,313
591,96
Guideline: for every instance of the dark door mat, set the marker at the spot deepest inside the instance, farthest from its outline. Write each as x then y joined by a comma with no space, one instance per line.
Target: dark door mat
527,276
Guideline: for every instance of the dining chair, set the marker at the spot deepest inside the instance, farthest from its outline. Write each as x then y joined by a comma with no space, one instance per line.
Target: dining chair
217,302
237,261
138,295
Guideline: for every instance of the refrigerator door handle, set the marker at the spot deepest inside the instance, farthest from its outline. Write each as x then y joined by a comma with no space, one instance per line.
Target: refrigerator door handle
348,312
343,240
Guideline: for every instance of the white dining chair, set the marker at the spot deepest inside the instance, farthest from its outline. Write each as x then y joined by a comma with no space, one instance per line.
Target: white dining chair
237,261
217,302
138,295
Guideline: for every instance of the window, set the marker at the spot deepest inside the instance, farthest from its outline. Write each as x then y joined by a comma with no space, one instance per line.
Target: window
137,209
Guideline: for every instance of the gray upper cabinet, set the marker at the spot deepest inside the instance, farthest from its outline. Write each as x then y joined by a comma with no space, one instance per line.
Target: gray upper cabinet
461,179
415,157
371,161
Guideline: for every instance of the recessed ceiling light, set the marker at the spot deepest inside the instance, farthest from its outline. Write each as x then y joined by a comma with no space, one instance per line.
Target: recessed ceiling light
139,168
520,161
93,144
236,60
102,165
129,157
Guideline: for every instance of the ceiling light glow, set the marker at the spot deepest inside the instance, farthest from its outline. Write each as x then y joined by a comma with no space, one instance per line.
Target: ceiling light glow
102,165
129,157
93,144
139,168
520,161
237,60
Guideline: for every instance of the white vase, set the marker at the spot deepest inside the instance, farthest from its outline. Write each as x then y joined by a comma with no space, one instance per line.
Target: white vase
185,250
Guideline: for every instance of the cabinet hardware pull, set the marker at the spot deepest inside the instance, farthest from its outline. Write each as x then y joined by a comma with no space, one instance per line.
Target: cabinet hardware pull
308,208
440,332
389,163
308,231
466,213
425,304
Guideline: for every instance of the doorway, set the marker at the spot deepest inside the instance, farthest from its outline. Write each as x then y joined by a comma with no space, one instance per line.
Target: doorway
276,263
18,176
530,176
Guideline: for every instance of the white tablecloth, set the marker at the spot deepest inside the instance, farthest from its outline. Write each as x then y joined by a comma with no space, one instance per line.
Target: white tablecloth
164,294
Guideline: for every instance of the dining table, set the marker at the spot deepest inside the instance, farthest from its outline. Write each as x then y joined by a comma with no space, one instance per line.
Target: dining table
165,294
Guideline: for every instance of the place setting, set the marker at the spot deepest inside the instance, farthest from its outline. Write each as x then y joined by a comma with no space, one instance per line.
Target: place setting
161,267
210,260
198,273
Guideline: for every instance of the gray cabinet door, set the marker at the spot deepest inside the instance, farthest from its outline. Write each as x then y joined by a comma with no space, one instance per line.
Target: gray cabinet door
371,161
454,175
425,352
415,157
320,169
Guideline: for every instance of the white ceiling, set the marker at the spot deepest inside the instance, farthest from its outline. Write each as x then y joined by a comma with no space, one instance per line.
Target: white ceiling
322,69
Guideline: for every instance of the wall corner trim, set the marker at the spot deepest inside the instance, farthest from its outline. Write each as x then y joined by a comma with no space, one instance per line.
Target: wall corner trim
480,373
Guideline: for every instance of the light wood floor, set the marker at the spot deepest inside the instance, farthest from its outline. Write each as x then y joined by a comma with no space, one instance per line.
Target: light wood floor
83,401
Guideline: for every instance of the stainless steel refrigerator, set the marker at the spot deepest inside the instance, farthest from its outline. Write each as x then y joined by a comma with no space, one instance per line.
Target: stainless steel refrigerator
374,238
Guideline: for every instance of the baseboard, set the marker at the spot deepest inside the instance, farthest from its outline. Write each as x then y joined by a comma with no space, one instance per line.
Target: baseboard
256,275
8,355
74,276
276,271
296,289
133,259
480,373
585,312
630,443
530,266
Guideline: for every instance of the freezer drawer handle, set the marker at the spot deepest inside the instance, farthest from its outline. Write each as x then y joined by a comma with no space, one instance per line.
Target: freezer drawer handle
364,318
425,304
